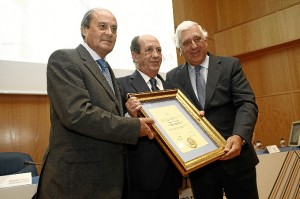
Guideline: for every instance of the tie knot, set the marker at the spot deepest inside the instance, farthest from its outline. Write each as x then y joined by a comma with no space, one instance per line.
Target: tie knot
198,68
152,80
153,84
102,63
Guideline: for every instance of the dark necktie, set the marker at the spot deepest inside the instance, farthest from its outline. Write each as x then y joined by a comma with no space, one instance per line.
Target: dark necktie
153,84
105,72
200,84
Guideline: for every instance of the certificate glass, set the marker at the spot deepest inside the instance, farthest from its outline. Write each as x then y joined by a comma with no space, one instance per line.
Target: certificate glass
188,139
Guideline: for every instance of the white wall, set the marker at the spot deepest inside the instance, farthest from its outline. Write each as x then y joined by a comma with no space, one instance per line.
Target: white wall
30,78
31,30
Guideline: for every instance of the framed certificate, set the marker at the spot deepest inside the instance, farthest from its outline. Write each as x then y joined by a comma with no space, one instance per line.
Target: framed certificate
188,139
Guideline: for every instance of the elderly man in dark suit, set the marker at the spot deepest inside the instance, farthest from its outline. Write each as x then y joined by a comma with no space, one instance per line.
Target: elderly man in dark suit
151,175
85,157
219,86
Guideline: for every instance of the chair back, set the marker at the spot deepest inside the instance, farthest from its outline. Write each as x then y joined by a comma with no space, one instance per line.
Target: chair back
15,162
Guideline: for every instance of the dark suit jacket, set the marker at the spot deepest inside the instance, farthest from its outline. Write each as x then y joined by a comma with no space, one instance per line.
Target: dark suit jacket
229,105
147,161
85,157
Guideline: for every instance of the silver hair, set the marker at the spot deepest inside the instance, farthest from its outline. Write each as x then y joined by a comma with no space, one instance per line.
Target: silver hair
184,26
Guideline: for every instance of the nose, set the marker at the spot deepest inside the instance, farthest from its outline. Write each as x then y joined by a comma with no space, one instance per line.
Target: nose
108,30
194,44
155,53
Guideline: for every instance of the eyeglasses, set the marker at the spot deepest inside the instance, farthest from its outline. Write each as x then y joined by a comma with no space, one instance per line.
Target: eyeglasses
150,50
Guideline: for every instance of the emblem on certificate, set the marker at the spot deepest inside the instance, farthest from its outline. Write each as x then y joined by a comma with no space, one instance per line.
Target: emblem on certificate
191,142
188,139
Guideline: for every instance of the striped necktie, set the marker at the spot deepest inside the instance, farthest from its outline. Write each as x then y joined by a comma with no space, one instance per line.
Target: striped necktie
200,84
105,72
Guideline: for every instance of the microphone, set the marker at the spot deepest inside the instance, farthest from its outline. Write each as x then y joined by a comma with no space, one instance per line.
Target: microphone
31,163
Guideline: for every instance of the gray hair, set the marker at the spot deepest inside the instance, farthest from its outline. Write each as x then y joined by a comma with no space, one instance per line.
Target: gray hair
184,26
135,46
86,20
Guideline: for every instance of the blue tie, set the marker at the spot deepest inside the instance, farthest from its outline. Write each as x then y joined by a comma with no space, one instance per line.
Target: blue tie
200,84
105,72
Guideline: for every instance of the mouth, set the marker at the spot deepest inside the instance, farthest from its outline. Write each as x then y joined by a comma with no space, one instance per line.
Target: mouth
107,41
155,62
195,52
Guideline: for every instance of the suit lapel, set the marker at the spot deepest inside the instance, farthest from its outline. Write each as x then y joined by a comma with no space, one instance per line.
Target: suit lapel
138,83
213,76
93,67
165,85
186,82
117,94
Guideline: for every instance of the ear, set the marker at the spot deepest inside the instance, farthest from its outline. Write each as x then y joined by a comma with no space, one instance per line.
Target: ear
84,31
134,56
180,51
206,44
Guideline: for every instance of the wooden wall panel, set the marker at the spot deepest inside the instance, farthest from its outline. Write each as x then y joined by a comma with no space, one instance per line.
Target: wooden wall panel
293,54
232,13
286,3
289,27
25,124
271,30
268,73
275,118
235,12
274,77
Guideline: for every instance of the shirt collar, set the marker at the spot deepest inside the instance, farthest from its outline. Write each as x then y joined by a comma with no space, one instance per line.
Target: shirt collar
92,52
203,64
145,77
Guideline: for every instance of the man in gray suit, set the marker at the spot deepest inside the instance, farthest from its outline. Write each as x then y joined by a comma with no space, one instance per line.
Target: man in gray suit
219,86
85,157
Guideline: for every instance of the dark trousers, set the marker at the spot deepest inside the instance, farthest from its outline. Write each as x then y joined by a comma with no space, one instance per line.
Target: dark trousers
212,180
168,189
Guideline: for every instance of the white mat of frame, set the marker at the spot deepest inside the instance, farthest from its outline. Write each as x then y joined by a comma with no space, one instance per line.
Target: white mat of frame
278,175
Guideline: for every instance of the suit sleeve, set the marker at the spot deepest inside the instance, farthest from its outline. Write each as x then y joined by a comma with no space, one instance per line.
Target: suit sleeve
244,102
81,103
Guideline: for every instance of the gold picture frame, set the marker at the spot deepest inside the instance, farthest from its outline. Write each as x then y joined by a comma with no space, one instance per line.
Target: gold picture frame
189,140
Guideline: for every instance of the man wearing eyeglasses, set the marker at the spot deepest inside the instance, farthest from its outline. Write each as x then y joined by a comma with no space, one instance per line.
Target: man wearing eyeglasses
151,174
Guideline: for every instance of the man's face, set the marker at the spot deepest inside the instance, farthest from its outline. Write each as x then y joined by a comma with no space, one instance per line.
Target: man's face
192,45
149,59
102,34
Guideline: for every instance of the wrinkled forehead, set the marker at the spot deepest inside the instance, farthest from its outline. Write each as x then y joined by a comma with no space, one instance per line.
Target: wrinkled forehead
104,16
149,41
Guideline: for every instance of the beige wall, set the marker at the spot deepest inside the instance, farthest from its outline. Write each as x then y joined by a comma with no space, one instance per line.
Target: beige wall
264,34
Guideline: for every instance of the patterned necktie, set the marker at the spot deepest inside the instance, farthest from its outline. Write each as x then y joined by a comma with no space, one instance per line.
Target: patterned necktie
153,84
200,84
105,72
